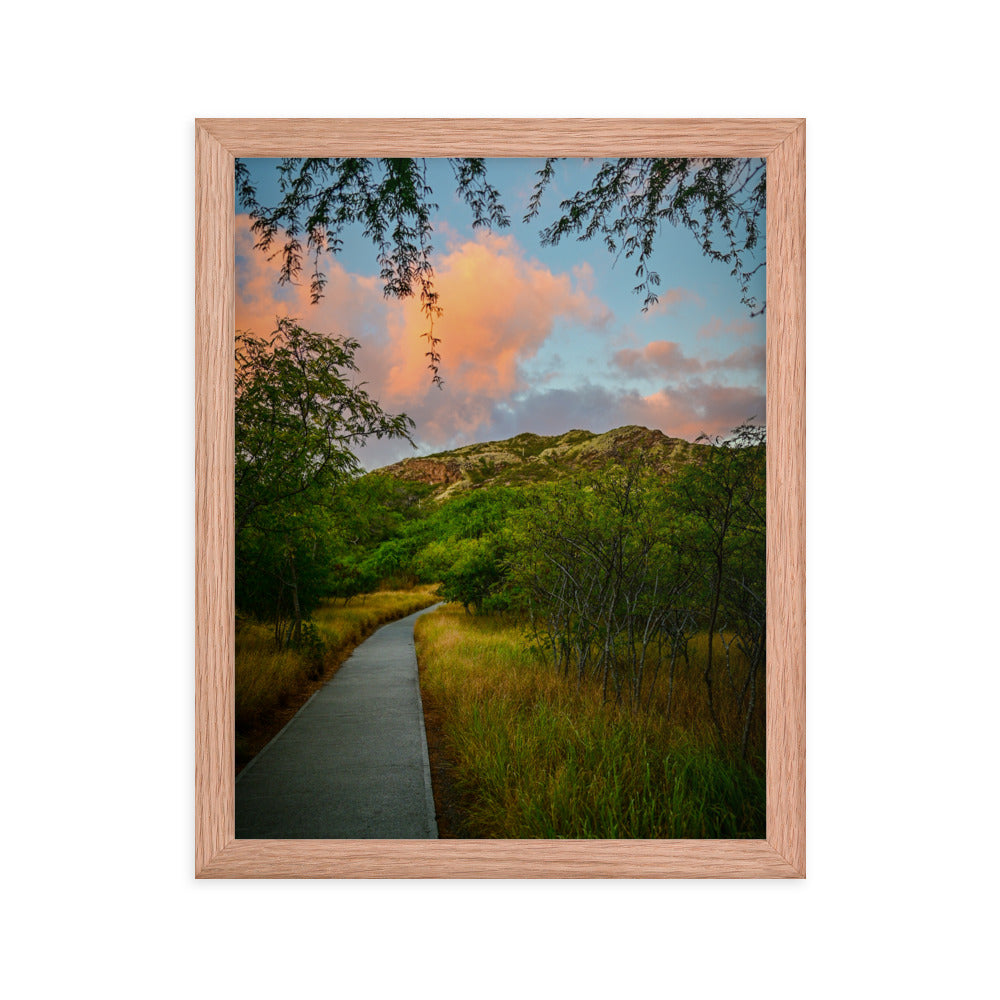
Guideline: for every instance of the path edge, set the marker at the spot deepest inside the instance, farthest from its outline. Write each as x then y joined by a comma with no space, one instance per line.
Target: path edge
432,827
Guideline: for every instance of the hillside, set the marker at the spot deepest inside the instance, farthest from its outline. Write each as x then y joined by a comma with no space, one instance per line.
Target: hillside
532,458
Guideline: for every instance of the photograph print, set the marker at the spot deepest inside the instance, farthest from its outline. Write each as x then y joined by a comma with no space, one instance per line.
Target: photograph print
500,455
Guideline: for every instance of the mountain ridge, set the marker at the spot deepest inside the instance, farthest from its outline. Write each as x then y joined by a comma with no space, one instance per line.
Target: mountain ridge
527,458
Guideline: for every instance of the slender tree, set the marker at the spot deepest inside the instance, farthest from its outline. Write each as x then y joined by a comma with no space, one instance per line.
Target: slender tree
722,502
298,421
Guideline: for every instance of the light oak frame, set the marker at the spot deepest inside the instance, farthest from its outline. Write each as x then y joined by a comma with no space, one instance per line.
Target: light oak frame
217,853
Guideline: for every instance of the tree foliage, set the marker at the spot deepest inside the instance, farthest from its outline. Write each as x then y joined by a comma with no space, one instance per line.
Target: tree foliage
297,419
719,200
459,544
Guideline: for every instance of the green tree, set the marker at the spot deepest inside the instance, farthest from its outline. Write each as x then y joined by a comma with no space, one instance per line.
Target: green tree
367,511
722,504
297,420
470,546
476,573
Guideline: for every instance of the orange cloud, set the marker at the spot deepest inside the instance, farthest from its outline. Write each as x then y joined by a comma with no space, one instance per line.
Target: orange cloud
499,308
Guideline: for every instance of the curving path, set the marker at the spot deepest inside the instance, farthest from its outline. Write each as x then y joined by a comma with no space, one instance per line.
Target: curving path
353,762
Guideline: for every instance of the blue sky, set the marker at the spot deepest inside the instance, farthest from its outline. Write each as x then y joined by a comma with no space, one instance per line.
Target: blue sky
534,338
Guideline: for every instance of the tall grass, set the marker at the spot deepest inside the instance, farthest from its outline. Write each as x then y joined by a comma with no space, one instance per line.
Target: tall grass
534,756
268,678
265,676
345,625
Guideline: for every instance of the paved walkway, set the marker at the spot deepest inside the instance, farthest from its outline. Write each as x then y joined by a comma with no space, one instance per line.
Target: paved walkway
353,762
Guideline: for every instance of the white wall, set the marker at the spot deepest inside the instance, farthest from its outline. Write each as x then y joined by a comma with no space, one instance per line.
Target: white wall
98,470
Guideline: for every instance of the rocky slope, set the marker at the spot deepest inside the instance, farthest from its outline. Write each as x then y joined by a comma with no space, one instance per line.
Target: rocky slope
530,458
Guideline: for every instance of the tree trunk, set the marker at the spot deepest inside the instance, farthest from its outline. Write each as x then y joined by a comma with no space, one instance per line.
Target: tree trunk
295,628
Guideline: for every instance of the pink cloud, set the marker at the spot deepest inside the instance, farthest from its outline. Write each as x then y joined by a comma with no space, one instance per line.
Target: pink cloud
753,357
698,409
656,356
499,307
737,327
583,273
666,357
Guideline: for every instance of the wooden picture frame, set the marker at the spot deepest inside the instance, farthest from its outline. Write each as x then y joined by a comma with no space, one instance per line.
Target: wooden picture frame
217,853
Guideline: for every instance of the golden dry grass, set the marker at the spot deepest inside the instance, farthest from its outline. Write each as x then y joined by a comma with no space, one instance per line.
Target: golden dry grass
268,679
534,756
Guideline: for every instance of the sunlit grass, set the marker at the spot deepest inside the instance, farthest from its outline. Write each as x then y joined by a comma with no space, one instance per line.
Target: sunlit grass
266,678
346,625
536,757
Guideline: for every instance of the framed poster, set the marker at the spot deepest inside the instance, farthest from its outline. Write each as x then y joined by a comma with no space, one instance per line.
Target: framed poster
646,156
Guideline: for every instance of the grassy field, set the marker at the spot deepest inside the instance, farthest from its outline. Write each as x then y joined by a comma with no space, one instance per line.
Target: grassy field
272,684
531,756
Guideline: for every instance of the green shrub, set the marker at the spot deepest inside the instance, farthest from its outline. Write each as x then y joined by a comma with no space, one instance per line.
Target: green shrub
475,575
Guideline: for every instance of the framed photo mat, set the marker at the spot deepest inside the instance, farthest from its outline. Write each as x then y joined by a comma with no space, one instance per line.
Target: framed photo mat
217,853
